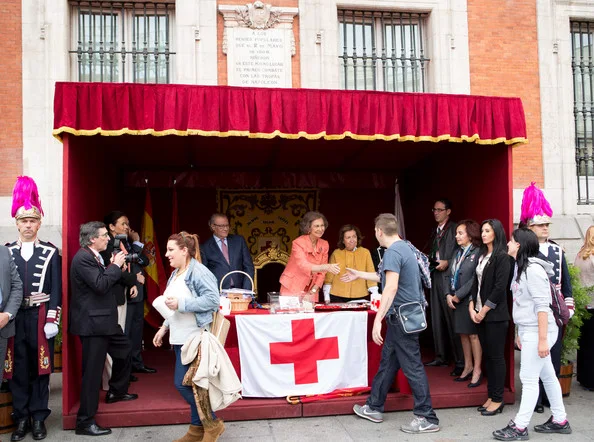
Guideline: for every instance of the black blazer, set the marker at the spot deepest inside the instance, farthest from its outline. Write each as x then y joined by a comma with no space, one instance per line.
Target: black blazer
466,276
127,280
495,286
239,255
93,308
446,245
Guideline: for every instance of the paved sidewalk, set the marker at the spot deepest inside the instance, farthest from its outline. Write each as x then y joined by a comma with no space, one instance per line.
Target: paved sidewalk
464,424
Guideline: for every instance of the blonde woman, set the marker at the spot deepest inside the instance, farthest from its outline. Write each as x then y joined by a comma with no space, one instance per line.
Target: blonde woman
585,355
308,262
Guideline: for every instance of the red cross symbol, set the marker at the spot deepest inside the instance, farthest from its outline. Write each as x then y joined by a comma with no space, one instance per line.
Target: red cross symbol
304,351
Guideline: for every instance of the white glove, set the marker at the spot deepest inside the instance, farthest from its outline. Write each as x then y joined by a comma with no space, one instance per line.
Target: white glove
571,312
326,290
50,329
373,290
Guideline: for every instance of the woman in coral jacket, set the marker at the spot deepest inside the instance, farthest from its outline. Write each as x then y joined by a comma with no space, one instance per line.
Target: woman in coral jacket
308,262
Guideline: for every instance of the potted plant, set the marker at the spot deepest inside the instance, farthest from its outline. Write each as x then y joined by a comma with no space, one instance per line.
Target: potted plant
570,343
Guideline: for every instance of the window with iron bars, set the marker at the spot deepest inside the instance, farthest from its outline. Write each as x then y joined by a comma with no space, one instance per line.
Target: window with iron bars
582,66
122,41
382,51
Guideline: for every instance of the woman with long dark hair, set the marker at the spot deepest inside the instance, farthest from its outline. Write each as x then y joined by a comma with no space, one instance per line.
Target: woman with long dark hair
462,270
488,308
537,333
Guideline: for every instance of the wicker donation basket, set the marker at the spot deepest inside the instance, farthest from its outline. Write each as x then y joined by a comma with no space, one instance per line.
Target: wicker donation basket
238,301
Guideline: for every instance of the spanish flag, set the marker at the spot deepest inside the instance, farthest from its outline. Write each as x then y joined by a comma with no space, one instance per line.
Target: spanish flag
156,280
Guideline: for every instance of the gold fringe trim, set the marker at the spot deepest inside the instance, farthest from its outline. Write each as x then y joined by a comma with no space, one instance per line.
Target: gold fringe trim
244,133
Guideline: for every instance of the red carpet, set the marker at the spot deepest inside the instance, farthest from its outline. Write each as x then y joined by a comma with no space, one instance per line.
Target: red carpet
159,402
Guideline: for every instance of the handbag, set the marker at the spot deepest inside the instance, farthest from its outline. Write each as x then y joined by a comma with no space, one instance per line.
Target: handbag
220,327
412,317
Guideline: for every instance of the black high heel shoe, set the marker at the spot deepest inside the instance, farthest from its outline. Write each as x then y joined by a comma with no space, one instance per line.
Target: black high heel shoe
498,410
477,383
464,378
481,409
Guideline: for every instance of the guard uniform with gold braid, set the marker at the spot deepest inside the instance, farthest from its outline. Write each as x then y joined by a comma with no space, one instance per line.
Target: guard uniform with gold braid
41,275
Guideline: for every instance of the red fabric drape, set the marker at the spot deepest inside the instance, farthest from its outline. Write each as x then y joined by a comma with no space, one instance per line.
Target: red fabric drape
140,109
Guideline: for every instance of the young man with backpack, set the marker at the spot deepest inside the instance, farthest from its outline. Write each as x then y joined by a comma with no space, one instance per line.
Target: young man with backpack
401,279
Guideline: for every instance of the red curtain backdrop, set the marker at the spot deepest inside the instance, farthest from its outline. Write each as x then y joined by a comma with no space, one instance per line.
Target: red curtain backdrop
140,109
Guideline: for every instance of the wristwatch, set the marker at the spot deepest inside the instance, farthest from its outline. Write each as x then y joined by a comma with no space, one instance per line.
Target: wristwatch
10,316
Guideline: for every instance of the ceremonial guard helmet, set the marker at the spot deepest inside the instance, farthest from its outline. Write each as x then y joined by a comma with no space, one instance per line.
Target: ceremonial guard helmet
25,199
535,207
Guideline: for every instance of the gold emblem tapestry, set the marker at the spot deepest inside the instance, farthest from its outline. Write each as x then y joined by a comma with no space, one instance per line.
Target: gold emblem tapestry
267,218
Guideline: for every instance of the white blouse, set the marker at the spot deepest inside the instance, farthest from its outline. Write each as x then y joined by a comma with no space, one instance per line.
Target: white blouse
181,325
480,268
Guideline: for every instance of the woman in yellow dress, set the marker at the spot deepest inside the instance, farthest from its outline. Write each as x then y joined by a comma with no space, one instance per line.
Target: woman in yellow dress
349,254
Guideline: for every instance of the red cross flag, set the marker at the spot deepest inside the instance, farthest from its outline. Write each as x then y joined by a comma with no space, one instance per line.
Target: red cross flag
302,354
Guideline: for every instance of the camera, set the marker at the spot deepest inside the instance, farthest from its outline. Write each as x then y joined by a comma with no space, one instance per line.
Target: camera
117,240
132,257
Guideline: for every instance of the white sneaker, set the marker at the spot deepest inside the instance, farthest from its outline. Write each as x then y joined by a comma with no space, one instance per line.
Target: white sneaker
366,412
420,425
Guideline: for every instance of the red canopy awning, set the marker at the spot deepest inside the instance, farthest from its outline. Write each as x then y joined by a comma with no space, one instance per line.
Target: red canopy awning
170,109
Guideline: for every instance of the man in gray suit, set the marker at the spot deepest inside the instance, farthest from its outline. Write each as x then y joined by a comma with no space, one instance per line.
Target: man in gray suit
11,295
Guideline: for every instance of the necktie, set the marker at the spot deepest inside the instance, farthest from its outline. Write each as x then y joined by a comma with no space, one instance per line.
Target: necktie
225,250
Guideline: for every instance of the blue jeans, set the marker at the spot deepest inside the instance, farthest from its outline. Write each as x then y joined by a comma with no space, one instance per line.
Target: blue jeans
185,390
401,351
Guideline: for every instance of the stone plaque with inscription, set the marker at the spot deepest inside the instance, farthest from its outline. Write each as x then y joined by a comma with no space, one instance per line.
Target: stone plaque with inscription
259,44
260,58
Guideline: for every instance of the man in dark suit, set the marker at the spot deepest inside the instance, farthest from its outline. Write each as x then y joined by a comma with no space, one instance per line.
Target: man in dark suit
11,295
224,253
442,245
93,316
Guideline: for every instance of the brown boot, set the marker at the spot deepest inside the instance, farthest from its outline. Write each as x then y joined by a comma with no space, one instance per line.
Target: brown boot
213,431
195,434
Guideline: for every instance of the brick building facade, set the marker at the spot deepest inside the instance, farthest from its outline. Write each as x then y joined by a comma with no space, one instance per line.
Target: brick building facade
11,98
484,47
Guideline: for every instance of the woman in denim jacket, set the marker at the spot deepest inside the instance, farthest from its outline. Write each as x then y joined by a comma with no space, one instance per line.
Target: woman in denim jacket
193,295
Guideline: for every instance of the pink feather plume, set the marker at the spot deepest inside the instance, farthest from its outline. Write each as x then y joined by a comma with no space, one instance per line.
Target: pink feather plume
534,203
25,194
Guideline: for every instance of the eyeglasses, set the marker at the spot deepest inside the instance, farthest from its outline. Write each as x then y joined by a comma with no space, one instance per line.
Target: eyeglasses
221,226
435,209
